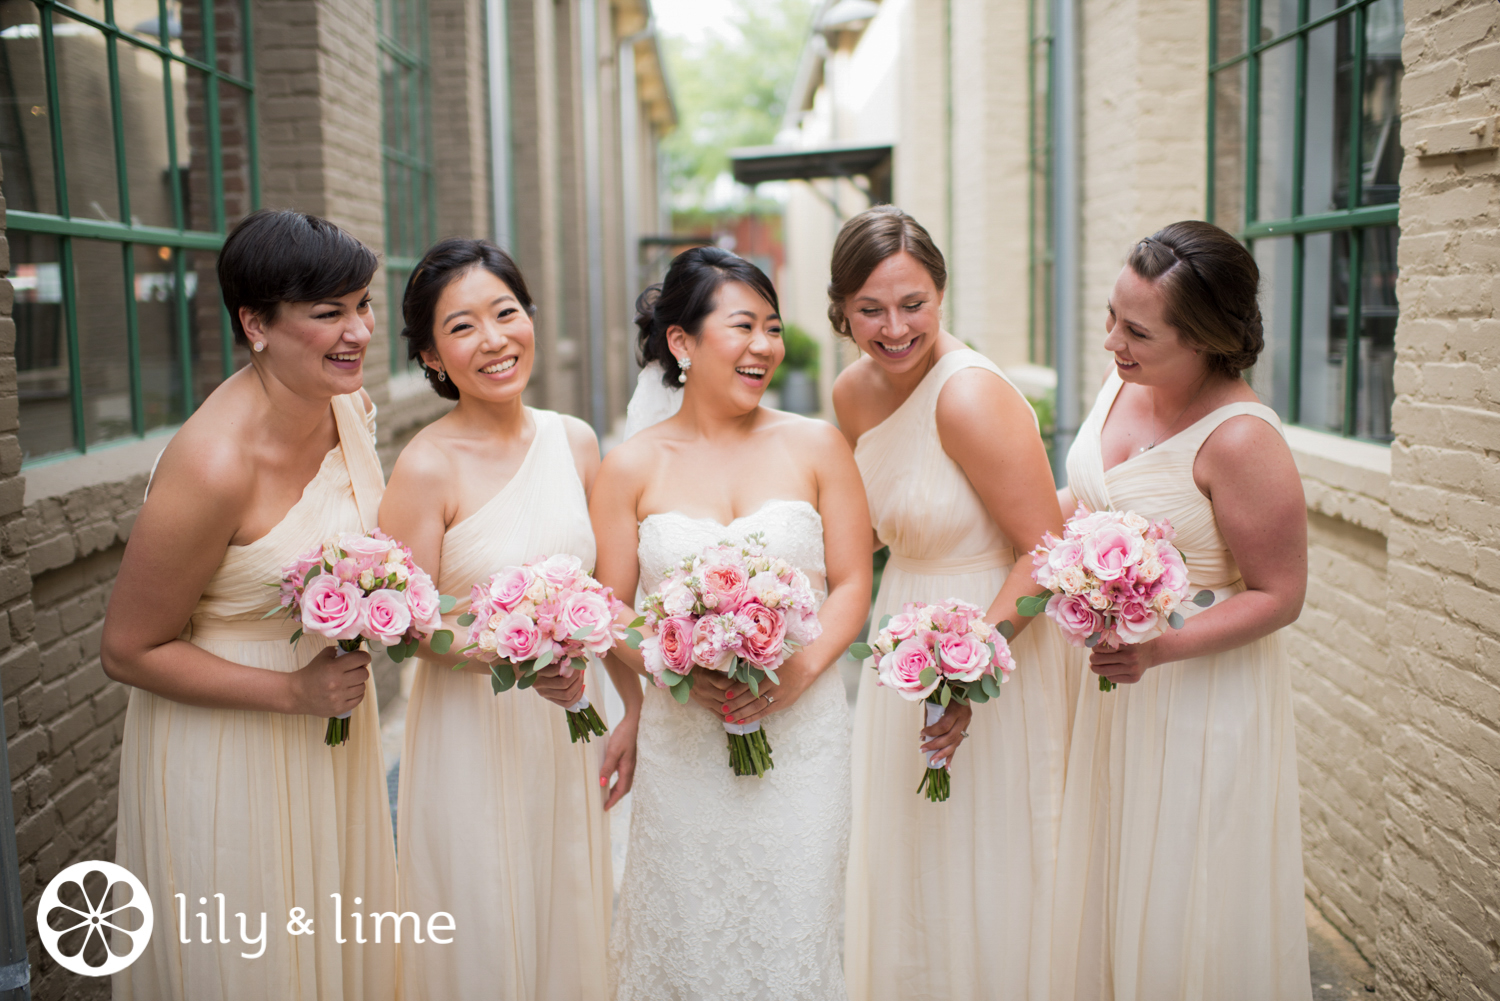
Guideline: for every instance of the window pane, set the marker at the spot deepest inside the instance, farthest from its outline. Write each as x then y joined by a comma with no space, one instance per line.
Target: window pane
1377,334
1381,154
25,130
1278,109
87,124
41,345
1229,148
234,141
103,349
1271,376
208,320
147,154
1325,315
1277,17
1329,79
193,155
156,318
1232,15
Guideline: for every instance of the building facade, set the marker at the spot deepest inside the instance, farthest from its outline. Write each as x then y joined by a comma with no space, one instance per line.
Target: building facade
1353,147
130,143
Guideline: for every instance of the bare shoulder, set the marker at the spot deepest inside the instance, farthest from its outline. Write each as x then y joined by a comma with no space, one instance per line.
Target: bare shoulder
581,437
1244,438
364,398
809,435
210,461
975,400
1247,456
854,390
632,461
424,459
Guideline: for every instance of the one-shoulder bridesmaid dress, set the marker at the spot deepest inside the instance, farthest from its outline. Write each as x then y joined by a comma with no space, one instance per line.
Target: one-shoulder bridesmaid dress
500,819
254,805
1180,862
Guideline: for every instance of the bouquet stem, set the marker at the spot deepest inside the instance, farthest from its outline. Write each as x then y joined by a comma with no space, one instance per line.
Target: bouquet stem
935,782
584,723
750,753
337,733
1105,685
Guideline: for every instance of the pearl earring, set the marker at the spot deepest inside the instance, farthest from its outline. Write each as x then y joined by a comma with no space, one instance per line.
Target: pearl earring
259,346
684,364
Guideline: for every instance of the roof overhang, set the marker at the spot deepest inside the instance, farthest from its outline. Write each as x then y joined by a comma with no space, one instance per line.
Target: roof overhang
754,164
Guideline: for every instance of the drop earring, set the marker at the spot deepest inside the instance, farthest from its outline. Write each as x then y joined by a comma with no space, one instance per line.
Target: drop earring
684,364
442,375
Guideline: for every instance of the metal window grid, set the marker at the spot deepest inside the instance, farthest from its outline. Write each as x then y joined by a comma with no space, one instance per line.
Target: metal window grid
65,227
1354,219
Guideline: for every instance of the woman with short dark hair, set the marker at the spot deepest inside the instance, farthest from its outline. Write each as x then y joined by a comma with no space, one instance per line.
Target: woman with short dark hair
226,785
1180,861
501,818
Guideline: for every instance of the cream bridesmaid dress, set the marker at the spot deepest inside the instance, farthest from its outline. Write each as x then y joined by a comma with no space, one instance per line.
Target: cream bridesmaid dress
254,805
1180,863
500,821
950,901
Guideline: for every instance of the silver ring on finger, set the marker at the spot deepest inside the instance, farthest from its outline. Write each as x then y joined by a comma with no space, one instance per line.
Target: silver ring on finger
964,734
770,700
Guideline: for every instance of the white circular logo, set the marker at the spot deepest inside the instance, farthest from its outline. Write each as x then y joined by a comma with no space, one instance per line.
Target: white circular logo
86,915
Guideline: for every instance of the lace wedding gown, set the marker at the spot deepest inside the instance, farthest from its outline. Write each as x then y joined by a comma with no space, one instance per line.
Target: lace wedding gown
733,887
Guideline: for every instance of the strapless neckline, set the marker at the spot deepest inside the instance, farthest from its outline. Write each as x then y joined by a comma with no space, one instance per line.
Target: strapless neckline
744,517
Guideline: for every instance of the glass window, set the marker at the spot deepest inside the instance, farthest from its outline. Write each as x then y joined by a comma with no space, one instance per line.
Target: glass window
1304,164
406,115
128,146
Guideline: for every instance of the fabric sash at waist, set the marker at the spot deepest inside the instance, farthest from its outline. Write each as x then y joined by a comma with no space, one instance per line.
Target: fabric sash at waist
277,627
962,564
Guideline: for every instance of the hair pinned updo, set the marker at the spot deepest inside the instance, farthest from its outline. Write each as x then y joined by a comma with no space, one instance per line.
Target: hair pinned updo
445,261
1211,286
685,296
864,242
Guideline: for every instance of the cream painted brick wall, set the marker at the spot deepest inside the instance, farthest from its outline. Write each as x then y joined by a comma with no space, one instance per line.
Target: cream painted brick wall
1439,932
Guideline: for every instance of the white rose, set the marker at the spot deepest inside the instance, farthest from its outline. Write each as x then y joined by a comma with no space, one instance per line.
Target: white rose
1097,600
367,580
487,641
537,590
1071,580
1135,522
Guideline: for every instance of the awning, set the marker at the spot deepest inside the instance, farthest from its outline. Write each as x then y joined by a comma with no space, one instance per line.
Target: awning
754,164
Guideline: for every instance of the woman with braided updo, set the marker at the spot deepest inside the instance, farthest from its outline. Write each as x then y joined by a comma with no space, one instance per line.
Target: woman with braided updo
1180,861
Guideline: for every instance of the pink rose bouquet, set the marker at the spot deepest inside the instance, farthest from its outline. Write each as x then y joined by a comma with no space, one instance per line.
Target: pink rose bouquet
736,610
1113,578
548,611
359,588
935,654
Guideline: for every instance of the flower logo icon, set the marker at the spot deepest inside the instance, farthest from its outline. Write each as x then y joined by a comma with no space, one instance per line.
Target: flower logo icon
80,910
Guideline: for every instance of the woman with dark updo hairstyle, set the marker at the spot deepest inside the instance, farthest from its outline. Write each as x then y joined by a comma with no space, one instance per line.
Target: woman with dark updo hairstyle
733,885
1180,862
500,815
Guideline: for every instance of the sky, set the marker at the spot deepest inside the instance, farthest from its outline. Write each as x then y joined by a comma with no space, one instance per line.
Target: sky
690,19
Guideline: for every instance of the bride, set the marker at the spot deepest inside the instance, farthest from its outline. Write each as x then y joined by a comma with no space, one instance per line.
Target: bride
733,887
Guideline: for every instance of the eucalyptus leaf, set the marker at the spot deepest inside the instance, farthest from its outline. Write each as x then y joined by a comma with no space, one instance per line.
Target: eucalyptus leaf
460,665
928,676
945,694
542,661
754,686
582,633
312,572
466,619
671,678
990,685
860,651
525,681
296,635
681,692
633,639
1030,605
278,608
1203,598
1175,620
1006,629
397,653
885,620
502,677
446,603
442,641
640,620
772,675
1092,640
977,694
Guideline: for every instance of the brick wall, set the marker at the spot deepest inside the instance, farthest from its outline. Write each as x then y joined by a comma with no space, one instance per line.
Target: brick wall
1439,933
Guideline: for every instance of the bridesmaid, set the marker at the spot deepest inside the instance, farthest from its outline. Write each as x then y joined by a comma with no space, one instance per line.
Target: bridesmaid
226,786
946,900
1181,855
500,816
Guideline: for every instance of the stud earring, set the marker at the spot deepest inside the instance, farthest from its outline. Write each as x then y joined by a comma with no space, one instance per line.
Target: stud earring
684,364
259,346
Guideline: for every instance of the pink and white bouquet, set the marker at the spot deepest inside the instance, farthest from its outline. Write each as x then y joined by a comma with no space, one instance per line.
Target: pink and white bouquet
548,611
936,654
733,609
359,588
1114,578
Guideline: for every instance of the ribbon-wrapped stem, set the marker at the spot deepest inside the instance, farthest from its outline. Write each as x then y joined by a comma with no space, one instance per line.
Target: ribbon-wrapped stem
934,780
337,733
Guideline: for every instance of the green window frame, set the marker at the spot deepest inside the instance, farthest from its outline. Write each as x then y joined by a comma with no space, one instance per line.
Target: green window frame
221,72
406,151
1303,164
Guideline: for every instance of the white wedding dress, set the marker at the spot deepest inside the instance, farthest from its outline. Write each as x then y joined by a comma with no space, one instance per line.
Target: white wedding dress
733,887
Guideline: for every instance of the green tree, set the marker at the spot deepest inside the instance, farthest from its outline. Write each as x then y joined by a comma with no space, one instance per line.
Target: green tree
731,89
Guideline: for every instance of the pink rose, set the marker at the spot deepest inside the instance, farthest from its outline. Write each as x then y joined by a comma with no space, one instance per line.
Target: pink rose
1066,554
517,638
1085,522
559,570
725,583
1074,616
711,640
385,617
1136,622
508,587
764,630
588,610
331,608
902,669
963,657
904,625
1110,550
424,602
1174,575
366,551
802,625
675,636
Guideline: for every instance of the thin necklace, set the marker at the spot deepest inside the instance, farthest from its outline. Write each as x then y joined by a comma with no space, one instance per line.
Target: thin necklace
1157,440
